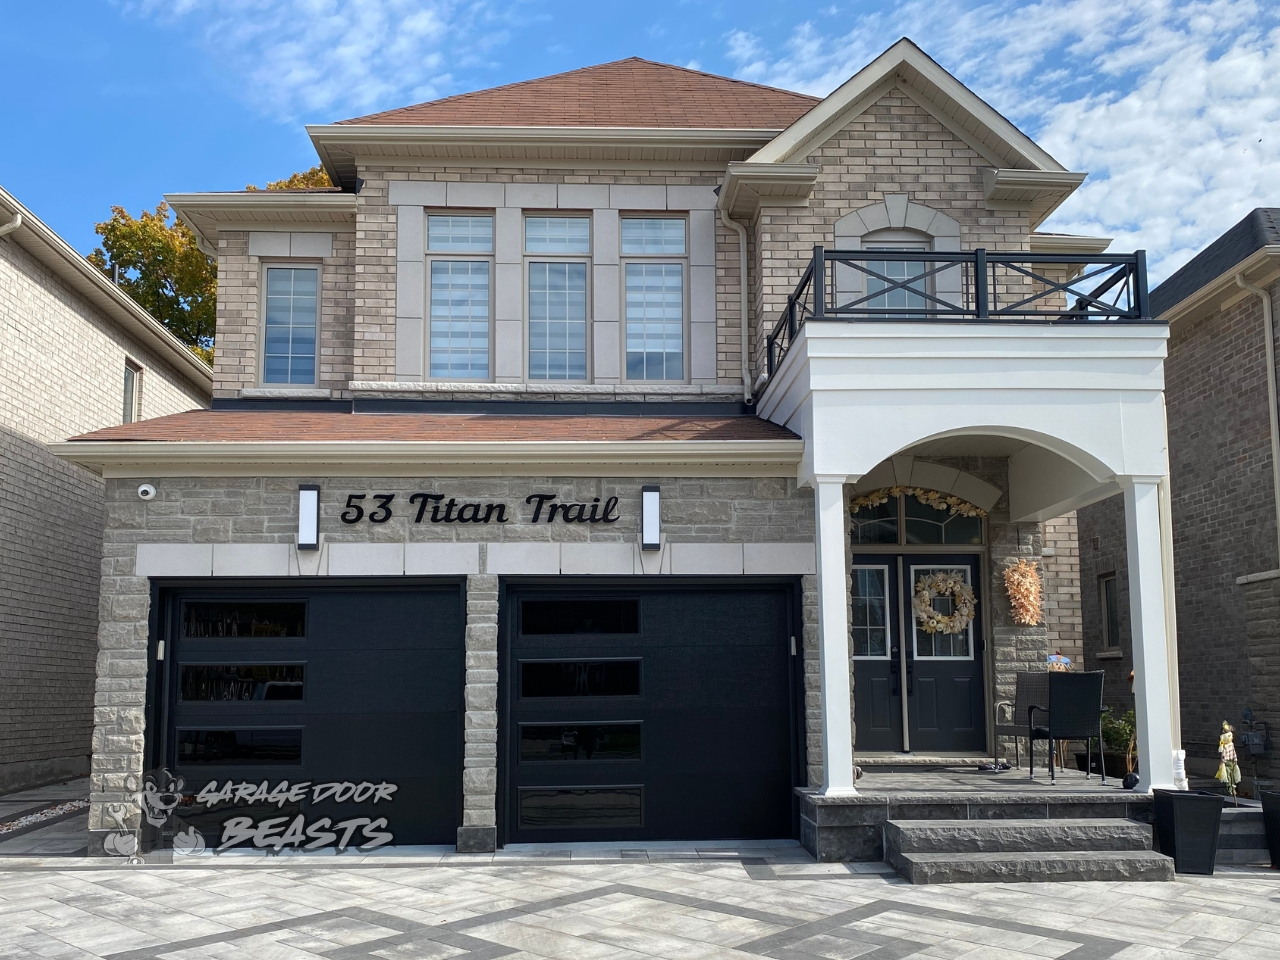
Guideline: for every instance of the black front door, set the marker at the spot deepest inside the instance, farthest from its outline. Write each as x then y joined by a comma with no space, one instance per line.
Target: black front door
317,685
637,712
938,677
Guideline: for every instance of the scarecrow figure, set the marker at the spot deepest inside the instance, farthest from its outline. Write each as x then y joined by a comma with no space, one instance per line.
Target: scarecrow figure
1229,768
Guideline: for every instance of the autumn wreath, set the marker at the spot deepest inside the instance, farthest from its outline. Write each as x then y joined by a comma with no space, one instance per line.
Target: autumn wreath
945,583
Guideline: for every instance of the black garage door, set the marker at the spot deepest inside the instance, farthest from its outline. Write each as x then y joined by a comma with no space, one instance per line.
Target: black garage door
341,692
649,712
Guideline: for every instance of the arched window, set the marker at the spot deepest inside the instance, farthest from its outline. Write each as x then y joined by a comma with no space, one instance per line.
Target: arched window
912,515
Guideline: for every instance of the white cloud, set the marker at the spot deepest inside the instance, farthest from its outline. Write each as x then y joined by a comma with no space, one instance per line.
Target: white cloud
337,58
1172,107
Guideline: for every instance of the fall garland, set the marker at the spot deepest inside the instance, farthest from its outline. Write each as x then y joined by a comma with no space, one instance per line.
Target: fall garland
946,583
930,498
1022,583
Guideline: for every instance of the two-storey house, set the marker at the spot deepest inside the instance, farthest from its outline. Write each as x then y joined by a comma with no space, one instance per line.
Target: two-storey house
575,464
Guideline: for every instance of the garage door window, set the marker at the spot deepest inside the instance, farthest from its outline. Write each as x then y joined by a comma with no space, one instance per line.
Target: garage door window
540,618
280,681
572,742
278,746
580,678
621,806
233,618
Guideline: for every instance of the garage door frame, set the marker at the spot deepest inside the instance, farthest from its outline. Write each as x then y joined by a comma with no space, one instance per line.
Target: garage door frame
604,584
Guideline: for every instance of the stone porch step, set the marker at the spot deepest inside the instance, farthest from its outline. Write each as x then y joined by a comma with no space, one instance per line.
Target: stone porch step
1014,836
1032,866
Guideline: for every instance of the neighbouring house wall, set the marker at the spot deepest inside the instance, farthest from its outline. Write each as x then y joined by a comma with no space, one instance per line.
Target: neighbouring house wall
237,361
61,374
895,147
1103,551
255,510
1060,568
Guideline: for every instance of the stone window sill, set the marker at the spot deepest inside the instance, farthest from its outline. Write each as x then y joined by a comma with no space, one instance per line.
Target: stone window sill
1109,655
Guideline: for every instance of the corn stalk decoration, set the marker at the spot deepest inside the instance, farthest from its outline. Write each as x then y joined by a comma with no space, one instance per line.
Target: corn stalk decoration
1022,583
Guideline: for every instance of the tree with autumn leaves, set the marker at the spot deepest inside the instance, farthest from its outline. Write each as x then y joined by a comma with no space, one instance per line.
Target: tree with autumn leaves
158,263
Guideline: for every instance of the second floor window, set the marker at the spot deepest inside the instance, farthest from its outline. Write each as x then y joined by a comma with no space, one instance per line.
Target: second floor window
653,250
1109,594
289,348
558,296
460,296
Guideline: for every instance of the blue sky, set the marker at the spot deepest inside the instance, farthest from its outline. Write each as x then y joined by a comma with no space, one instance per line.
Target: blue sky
1173,107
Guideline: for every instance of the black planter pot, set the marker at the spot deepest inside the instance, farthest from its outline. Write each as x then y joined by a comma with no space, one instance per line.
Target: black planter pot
1271,817
1115,764
1187,825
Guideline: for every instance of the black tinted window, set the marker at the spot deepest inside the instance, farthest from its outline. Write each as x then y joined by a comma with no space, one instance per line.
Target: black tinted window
280,746
580,678
542,617
585,807
244,618
579,741
243,682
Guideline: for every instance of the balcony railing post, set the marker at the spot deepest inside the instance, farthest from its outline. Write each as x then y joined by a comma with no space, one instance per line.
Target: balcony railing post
1140,285
770,354
980,300
791,318
819,283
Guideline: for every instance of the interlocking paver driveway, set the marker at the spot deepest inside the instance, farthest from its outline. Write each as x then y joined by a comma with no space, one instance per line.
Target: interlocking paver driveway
677,904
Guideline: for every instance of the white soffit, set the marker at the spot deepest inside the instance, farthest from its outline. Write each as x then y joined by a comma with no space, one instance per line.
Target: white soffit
296,210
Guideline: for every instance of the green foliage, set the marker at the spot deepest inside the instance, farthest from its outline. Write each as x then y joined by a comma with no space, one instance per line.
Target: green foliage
161,267
1116,733
303,180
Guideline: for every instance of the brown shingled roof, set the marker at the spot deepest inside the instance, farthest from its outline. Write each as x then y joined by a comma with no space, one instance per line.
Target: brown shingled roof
624,93
268,426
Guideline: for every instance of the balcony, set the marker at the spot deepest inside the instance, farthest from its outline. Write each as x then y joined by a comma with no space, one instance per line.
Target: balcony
975,286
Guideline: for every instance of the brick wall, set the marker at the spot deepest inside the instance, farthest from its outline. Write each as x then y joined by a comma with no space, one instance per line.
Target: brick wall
61,374
894,147
1103,551
236,362
263,510
1060,573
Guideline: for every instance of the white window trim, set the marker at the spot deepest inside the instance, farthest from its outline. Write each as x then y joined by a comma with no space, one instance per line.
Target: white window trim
428,256
587,259
915,625
135,407
683,261
888,610
265,264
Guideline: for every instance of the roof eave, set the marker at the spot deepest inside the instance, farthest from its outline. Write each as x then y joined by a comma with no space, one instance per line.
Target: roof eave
607,458
1261,268
204,212
60,257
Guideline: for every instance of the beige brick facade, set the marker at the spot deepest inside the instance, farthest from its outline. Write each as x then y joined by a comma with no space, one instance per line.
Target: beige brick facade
62,363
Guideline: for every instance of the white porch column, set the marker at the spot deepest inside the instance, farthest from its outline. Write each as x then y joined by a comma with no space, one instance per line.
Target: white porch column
833,638
1151,653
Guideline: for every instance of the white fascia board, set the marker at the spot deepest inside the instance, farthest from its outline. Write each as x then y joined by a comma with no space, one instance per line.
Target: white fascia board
1261,268
689,458
59,256
869,83
352,135
1068,243
749,185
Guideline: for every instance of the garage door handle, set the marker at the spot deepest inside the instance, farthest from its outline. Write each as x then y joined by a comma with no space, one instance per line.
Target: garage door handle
793,646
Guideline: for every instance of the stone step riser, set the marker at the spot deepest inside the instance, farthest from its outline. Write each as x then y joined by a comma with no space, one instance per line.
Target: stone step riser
1021,868
1017,836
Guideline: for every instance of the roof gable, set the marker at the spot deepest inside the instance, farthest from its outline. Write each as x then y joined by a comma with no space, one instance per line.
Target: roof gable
627,93
920,77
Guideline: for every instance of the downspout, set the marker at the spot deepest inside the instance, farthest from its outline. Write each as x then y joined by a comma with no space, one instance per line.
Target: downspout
742,299
12,225
1269,327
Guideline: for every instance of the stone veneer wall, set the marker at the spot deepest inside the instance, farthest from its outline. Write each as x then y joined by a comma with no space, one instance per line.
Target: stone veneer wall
256,510
61,374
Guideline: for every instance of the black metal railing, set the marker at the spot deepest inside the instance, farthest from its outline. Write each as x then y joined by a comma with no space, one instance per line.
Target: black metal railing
974,286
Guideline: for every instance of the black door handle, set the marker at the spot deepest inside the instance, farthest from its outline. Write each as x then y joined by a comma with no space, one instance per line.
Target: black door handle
910,677
895,665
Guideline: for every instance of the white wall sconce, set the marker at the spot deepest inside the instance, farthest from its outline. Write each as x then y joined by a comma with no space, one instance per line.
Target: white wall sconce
308,516
650,518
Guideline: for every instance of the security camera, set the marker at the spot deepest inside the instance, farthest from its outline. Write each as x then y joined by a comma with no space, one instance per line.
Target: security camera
146,492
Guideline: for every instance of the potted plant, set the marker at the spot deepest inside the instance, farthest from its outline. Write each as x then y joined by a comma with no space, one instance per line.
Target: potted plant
1188,821
1118,753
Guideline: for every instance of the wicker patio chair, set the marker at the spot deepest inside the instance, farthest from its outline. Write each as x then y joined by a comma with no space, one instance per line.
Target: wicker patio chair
1032,688
1074,713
